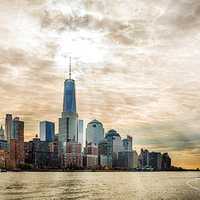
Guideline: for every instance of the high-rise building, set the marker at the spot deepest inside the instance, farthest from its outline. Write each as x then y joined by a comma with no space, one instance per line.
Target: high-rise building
155,160
2,136
16,142
68,123
166,161
135,159
105,154
80,131
143,159
47,131
128,143
117,145
8,124
94,132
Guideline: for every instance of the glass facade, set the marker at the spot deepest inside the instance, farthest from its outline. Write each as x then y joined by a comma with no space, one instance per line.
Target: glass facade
47,131
69,104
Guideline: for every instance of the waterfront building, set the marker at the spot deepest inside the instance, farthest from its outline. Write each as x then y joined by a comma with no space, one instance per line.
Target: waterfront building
68,123
47,131
2,136
125,160
128,143
135,159
155,161
72,158
94,132
105,154
16,143
90,158
166,162
143,160
41,154
8,124
117,145
80,131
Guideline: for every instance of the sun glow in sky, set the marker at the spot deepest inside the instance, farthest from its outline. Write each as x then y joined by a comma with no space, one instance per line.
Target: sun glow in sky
136,65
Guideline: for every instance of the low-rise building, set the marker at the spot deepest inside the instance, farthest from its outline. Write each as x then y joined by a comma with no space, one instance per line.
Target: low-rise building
90,158
72,157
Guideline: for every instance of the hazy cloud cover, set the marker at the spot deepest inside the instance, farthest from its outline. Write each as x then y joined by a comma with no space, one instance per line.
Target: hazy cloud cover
136,65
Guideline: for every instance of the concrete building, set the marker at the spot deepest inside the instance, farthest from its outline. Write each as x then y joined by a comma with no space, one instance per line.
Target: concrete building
117,145
105,154
80,131
72,158
8,125
135,160
94,132
41,154
143,160
90,158
128,143
166,162
155,161
16,143
47,131
125,160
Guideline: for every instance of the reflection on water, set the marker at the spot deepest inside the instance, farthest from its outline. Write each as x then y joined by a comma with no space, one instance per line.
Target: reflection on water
100,185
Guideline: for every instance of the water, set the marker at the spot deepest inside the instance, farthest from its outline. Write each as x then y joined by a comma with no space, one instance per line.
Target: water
100,185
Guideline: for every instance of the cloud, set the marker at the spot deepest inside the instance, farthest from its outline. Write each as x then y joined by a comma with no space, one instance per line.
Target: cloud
136,65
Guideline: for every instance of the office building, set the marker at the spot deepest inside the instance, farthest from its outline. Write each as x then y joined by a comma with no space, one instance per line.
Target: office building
80,131
166,162
72,158
90,158
105,154
143,159
94,132
128,143
155,161
17,142
47,131
8,124
41,154
68,123
117,145
135,159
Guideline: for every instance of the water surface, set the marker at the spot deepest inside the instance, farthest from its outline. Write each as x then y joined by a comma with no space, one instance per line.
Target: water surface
100,185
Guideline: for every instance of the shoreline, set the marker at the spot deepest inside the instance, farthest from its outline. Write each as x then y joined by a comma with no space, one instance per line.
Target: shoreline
60,170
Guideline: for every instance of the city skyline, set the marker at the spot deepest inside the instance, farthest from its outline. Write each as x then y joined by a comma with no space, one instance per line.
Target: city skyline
140,82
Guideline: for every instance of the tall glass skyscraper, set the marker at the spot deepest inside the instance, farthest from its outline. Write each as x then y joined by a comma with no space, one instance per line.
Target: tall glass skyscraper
69,102
68,123
47,131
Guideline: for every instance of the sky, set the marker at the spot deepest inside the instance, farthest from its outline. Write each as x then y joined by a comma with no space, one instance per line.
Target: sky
136,65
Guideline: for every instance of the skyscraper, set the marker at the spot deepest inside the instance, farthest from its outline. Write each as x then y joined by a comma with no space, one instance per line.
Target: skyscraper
94,132
80,131
8,124
17,142
68,123
47,131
